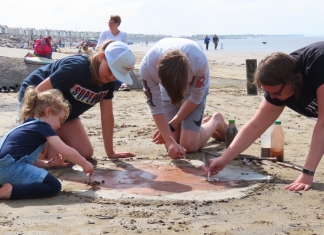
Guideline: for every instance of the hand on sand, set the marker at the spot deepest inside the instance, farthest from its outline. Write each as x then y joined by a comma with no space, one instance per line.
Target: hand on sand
176,151
121,155
88,168
57,161
303,182
216,165
158,138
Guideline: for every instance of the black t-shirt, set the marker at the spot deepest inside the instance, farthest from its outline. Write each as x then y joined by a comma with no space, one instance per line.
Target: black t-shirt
26,139
310,61
71,75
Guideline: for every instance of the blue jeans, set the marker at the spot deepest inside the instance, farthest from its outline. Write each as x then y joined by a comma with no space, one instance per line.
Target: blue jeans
23,171
48,56
27,180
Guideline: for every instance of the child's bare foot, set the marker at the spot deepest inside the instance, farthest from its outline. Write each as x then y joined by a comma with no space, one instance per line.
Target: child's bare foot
5,191
219,133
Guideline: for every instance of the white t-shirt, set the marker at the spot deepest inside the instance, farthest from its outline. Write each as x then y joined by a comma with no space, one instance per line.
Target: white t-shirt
105,35
198,79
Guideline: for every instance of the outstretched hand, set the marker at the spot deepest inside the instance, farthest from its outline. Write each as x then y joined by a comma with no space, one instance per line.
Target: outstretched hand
121,155
176,151
58,160
216,165
88,168
303,182
158,138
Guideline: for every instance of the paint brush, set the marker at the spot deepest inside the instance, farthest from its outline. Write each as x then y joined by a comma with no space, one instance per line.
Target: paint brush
207,164
179,147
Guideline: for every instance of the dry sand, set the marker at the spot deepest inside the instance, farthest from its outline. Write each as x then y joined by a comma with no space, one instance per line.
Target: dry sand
269,209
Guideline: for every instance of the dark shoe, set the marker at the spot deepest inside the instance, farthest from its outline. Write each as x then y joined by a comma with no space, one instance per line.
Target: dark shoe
4,89
14,88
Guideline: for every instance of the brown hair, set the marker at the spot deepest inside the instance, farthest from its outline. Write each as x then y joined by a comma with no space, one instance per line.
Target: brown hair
278,68
95,63
35,103
173,70
116,19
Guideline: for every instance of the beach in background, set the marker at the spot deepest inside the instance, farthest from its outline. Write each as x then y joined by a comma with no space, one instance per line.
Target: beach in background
228,62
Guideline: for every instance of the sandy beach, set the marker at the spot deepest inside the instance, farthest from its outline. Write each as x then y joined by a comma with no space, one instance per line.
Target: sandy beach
267,209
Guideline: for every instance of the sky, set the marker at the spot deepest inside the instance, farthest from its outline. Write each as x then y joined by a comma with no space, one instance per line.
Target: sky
170,17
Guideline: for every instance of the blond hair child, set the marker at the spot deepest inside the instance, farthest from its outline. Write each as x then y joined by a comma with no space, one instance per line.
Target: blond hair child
21,172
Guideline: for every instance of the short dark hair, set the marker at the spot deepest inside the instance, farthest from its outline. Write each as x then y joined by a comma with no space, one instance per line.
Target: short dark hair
116,19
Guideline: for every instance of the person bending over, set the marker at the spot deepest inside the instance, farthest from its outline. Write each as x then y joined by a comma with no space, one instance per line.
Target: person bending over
295,81
85,81
175,78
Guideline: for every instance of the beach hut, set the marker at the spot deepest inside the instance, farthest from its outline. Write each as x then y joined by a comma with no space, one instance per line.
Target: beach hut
96,34
37,32
24,31
65,33
54,32
14,31
31,32
3,29
43,32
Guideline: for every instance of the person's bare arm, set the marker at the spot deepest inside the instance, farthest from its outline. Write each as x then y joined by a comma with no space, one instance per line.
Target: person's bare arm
70,154
187,107
316,151
44,85
107,126
263,118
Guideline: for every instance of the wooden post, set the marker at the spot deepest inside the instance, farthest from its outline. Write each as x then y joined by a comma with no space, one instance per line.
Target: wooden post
251,65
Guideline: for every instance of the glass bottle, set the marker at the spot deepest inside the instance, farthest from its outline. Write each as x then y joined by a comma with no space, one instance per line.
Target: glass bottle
266,142
231,132
277,142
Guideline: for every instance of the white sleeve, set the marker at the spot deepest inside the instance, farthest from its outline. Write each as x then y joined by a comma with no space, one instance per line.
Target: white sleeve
200,83
125,38
151,89
101,39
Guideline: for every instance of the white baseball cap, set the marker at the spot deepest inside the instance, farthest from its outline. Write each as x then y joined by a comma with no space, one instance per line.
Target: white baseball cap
121,60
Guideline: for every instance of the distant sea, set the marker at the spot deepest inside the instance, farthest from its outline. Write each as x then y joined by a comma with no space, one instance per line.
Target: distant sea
284,44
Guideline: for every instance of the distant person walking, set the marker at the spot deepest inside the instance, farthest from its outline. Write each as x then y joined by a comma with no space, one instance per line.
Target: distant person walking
207,40
215,40
115,34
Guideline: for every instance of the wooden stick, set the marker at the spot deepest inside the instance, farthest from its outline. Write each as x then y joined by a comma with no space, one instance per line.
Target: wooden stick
265,163
272,159
242,156
290,166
